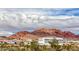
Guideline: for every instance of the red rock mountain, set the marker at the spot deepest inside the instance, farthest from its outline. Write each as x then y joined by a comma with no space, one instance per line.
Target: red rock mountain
44,32
23,35
54,32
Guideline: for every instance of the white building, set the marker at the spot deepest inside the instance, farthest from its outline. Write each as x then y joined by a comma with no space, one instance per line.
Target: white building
45,40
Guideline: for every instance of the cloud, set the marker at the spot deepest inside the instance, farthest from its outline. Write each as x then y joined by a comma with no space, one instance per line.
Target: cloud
13,20
5,33
43,11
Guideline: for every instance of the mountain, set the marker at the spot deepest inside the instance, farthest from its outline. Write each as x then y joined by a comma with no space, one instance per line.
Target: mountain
42,33
4,38
23,35
55,32
46,32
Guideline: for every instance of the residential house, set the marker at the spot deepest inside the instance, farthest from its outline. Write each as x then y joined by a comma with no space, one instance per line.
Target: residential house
45,40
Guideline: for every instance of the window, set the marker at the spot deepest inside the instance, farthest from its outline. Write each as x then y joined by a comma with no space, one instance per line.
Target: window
61,41
46,40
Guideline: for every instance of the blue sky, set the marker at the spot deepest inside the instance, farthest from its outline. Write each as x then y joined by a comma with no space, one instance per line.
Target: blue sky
15,19
47,11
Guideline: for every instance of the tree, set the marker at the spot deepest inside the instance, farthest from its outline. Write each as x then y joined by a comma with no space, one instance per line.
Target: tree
55,44
34,46
44,47
68,47
21,43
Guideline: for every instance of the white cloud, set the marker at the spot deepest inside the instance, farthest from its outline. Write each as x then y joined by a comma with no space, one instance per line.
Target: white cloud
11,20
5,33
23,20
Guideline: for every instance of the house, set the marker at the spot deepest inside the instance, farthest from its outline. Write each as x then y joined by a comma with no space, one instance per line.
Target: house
74,41
7,41
45,40
28,41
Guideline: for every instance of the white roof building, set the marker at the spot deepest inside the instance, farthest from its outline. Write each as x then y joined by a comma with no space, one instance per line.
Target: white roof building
45,40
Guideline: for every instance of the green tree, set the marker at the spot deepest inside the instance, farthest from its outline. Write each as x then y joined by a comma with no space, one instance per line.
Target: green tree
34,46
55,45
21,44
68,47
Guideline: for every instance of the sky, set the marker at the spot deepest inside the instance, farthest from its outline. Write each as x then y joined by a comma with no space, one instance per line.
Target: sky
27,19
